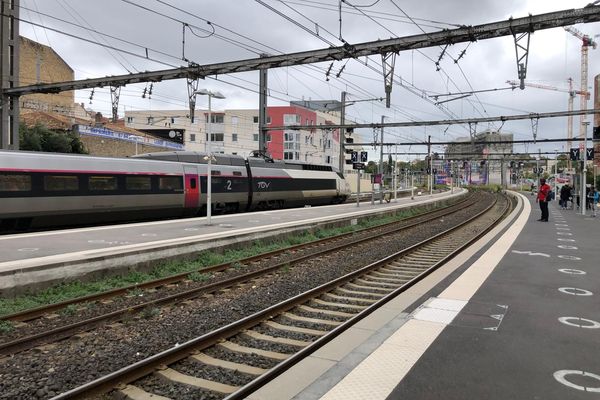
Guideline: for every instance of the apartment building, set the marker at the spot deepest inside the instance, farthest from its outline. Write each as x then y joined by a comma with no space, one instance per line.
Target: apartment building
236,131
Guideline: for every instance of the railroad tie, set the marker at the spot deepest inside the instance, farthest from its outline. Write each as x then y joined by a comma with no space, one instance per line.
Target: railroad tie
326,312
273,339
290,328
216,362
176,376
251,350
130,392
349,298
295,317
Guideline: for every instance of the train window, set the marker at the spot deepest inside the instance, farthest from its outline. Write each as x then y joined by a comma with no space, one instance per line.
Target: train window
57,183
15,182
193,183
102,183
170,183
138,183
237,173
213,172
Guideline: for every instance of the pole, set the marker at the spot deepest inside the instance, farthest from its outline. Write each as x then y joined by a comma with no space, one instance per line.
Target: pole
583,154
381,164
358,188
555,170
451,177
429,180
262,108
395,173
209,164
412,186
342,154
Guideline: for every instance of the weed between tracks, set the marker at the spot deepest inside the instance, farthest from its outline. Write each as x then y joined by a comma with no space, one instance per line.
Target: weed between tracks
204,259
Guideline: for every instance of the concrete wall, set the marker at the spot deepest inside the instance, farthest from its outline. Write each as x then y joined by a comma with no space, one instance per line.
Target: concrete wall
106,147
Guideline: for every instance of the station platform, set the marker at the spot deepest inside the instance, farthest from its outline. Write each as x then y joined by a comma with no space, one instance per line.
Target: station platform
34,260
515,316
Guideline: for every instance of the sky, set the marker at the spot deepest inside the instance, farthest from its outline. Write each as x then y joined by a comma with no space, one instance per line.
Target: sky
112,37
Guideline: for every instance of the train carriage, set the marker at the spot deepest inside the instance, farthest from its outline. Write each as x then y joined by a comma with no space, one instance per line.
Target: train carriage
47,189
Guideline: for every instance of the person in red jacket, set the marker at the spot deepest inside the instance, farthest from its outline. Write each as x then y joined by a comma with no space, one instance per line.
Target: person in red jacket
542,199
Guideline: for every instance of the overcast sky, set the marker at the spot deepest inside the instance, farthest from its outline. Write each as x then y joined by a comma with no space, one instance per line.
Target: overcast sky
244,28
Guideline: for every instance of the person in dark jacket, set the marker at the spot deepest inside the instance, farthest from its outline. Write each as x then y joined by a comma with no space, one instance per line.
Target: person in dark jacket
565,195
542,198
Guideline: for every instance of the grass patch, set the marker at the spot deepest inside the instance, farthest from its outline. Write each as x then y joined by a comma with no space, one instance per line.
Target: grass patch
198,277
193,268
6,327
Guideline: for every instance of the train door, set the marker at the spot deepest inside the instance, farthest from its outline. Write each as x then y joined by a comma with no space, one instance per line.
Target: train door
192,187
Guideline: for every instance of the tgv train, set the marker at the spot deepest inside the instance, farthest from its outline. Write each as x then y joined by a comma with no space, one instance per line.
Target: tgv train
48,189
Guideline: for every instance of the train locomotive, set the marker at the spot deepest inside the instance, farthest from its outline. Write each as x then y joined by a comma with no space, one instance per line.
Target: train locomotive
48,189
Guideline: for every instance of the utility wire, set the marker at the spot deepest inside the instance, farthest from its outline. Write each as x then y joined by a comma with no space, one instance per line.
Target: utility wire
92,33
108,46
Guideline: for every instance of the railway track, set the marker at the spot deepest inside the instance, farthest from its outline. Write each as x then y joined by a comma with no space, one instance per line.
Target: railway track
46,322
223,363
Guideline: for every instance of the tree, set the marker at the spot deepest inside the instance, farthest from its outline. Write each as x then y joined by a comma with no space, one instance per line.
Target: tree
40,138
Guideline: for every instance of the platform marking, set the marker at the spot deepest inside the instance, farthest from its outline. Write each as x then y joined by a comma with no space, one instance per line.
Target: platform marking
29,249
572,258
564,233
253,221
562,374
591,323
226,225
575,291
531,253
572,271
566,240
561,224
148,234
108,242
567,247
191,229
560,228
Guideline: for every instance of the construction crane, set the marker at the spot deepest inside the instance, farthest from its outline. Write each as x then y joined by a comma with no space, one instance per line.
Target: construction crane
586,42
572,94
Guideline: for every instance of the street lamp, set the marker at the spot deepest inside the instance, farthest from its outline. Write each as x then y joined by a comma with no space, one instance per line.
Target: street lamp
216,95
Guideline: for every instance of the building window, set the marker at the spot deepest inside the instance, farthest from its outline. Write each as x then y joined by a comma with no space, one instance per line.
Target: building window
291,119
130,120
192,137
255,119
234,137
255,137
268,120
214,118
215,137
234,120
328,160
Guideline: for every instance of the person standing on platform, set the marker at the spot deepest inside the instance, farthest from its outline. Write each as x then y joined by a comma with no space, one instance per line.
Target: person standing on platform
542,199
565,196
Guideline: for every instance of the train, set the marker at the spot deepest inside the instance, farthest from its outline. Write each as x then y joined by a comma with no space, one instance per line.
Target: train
40,190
